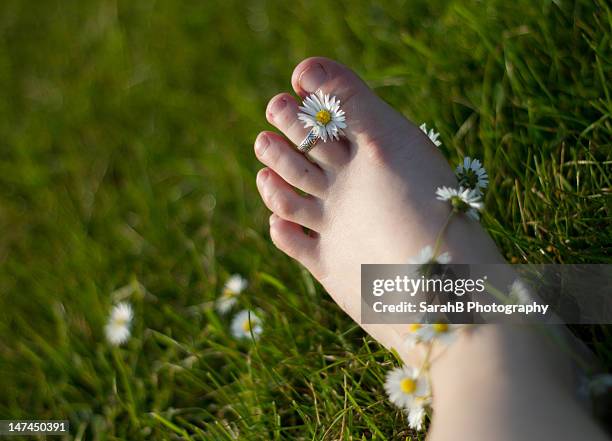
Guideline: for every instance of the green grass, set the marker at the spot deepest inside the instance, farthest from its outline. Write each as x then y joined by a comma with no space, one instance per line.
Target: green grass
126,171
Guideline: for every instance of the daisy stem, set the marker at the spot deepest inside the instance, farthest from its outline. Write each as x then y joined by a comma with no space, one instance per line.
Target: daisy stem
438,243
130,405
426,364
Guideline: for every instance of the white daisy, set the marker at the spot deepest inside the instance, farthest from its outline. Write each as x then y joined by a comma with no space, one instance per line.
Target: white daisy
322,112
463,200
245,323
416,416
519,294
118,327
600,384
471,174
442,332
412,338
426,256
404,385
232,289
433,135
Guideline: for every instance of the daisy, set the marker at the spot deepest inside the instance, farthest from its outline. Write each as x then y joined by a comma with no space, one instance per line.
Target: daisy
232,289
322,112
601,384
433,135
471,174
463,200
404,385
416,416
245,323
411,339
426,255
118,327
442,332
519,294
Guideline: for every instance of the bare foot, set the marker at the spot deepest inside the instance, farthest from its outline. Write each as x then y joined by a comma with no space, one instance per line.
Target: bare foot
371,196
371,199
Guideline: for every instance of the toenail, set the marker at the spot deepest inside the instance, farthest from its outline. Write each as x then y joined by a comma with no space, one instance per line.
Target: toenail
261,144
277,105
273,219
313,78
262,177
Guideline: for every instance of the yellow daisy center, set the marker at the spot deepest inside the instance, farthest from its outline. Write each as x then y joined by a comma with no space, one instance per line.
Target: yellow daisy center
227,293
414,327
440,328
323,116
408,385
246,326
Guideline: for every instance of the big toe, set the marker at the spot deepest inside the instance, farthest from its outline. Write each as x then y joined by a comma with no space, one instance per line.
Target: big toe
366,113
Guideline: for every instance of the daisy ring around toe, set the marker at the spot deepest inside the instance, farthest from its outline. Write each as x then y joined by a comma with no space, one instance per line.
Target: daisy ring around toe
322,114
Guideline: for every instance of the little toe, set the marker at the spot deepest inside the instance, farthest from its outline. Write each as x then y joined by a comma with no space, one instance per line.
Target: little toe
283,200
282,112
275,152
291,239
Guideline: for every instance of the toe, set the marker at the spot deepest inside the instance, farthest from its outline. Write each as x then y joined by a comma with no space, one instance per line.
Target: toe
282,113
275,152
283,200
291,239
366,113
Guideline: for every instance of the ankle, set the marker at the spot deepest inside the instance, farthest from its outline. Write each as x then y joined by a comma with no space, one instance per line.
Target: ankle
497,357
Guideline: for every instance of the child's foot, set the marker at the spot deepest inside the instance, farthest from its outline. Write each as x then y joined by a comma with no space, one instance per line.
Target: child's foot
371,199
372,195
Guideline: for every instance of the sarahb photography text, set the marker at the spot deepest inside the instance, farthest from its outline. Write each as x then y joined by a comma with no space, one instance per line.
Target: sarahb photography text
460,293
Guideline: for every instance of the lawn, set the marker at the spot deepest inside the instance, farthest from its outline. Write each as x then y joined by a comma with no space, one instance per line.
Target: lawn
127,173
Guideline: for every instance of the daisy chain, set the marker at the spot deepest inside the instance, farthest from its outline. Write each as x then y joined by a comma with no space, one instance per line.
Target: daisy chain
416,416
404,385
463,200
471,174
432,134
426,255
424,333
